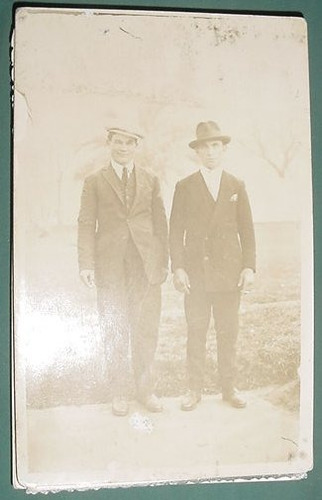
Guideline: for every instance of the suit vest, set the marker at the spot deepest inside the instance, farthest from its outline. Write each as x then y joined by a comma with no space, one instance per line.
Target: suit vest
129,191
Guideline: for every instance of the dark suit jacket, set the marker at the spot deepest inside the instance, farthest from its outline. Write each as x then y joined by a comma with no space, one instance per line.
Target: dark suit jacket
212,241
105,226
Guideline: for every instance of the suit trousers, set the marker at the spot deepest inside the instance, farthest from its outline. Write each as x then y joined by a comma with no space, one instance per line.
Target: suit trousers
199,305
129,310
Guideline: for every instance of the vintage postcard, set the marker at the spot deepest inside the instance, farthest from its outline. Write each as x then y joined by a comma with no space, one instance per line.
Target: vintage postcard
162,248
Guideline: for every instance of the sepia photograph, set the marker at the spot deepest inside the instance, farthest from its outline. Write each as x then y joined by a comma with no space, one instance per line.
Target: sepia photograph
162,305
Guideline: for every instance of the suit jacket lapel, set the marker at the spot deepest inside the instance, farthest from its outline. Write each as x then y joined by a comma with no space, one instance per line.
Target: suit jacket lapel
203,191
140,186
225,192
114,181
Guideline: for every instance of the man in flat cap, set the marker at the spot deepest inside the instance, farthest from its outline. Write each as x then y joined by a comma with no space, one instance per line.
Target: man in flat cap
212,248
123,250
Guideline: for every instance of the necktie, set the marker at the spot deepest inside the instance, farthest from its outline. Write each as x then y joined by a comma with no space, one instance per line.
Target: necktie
125,177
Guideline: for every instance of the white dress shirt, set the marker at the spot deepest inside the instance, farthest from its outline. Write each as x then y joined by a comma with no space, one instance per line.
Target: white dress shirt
212,179
119,168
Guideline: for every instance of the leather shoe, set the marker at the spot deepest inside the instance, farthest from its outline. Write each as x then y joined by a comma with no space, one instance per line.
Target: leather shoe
234,400
190,400
120,406
152,403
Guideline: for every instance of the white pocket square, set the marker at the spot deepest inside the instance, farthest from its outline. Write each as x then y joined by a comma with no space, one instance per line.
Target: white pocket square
234,197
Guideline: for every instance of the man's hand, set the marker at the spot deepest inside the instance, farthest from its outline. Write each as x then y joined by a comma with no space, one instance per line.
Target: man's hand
181,281
87,277
246,279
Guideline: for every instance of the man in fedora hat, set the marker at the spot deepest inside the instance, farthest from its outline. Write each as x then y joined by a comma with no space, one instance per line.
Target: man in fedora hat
212,248
123,250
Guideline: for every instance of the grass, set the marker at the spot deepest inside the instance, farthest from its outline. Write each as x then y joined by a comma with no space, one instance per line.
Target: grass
268,349
65,363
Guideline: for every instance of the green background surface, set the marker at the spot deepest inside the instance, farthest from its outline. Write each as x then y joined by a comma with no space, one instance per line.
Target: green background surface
308,489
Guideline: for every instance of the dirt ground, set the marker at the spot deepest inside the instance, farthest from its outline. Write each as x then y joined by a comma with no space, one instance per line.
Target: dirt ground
88,443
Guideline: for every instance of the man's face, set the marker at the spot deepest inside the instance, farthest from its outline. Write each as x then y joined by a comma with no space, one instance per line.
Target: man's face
211,153
122,148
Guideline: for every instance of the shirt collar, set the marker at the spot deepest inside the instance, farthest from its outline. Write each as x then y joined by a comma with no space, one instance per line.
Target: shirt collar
119,168
215,173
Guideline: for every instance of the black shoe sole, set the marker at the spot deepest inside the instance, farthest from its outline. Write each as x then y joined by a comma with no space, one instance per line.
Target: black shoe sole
119,414
190,408
235,405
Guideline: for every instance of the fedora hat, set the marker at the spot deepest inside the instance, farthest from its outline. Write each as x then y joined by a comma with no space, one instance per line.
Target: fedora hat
207,131
123,131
